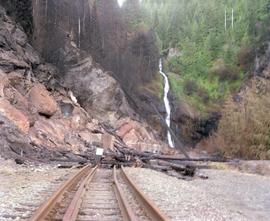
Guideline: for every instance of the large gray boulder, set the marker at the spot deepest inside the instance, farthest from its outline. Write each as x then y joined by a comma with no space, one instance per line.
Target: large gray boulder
98,92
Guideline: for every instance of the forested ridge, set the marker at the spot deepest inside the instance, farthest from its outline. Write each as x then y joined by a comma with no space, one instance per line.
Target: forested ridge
218,43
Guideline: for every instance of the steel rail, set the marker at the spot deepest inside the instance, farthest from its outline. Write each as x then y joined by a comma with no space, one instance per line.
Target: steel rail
45,209
126,210
74,207
150,207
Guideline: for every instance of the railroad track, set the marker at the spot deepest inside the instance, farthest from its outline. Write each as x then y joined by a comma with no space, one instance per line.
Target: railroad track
97,194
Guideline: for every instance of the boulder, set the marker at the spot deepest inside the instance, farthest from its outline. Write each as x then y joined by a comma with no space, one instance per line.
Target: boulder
43,102
127,125
96,90
49,133
90,138
139,136
132,137
14,115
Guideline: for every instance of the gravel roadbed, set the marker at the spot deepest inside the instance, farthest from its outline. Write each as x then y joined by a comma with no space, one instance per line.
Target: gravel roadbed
24,188
226,195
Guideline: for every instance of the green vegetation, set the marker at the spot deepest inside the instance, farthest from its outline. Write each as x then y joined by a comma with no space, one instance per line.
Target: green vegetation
215,56
244,129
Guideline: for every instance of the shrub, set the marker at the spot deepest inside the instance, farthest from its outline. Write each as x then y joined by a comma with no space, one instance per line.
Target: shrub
203,94
175,66
244,128
223,71
245,57
190,87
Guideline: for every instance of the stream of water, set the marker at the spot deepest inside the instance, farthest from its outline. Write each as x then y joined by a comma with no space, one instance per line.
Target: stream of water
166,103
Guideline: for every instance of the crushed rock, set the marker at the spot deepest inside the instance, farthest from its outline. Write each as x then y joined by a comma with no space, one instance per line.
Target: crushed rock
24,188
226,195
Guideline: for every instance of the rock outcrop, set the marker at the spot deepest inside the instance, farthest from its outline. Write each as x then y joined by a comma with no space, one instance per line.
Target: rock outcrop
42,100
77,29
40,113
14,115
190,126
140,137
98,92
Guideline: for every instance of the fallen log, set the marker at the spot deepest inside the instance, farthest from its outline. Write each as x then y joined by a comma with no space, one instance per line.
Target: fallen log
112,163
168,157
156,167
186,170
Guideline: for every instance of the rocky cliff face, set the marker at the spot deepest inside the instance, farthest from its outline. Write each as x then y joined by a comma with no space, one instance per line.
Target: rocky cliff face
66,33
40,115
97,28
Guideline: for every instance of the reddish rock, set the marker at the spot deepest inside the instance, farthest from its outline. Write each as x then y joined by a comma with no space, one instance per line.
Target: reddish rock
90,137
127,125
49,133
137,135
123,130
42,101
14,115
74,143
108,141
132,137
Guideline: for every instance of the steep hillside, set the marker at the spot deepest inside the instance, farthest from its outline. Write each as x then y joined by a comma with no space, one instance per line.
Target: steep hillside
40,116
211,49
99,29
244,129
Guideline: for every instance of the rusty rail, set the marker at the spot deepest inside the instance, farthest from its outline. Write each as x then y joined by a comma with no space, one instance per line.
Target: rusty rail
74,207
44,211
149,207
125,208
84,176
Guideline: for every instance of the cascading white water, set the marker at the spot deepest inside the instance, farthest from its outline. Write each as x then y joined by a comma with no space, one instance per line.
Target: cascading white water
166,102
79,31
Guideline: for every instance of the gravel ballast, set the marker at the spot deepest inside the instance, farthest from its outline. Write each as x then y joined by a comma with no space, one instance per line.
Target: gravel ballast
226,195
24,188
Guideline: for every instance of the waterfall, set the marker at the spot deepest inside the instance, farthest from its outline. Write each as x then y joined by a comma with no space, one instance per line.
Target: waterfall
166,103
79,31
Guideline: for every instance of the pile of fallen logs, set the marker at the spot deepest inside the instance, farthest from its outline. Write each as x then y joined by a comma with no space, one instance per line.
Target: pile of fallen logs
179,166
